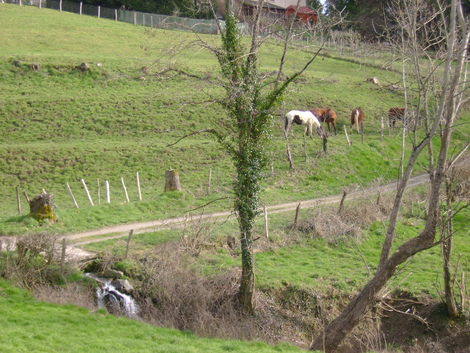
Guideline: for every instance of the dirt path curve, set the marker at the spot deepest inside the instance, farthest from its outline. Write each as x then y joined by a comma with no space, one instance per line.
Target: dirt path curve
74,252
120,231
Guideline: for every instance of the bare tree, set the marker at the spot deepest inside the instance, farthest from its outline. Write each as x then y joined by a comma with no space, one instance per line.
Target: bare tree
455,200
249,102
448,100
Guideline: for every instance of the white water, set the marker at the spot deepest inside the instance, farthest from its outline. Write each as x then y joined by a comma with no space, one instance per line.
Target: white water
113,300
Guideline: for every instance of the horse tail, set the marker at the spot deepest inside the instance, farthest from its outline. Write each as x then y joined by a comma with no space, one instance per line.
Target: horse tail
356,119
287,123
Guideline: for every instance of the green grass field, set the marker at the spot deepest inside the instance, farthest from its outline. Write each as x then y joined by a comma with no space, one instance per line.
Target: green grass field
59,125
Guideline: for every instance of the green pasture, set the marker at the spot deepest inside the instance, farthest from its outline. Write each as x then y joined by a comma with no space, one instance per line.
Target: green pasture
60,126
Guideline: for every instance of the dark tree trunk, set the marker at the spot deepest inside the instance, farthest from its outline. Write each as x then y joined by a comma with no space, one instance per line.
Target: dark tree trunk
339,328
247,284
447,232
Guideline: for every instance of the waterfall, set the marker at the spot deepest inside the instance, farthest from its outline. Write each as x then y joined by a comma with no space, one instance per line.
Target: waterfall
114,301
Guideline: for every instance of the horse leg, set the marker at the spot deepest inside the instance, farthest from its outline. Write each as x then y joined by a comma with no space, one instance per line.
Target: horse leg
334,125
308,130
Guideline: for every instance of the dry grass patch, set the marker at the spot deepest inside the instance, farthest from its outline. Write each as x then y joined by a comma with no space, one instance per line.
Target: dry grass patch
332,223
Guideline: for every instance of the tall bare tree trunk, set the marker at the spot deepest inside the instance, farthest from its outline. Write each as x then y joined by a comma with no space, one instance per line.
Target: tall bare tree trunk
453,84
446,238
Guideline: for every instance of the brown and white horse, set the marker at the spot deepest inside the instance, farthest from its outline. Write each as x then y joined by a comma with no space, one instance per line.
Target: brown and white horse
357,118
301,117
327,116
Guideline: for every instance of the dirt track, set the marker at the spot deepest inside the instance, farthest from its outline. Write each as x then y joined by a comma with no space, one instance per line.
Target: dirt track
75,253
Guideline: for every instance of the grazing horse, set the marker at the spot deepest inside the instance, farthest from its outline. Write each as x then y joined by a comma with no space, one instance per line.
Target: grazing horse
357,117
301,117
327,116
395,114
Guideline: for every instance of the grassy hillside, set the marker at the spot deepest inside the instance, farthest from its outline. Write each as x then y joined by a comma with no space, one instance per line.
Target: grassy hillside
60,125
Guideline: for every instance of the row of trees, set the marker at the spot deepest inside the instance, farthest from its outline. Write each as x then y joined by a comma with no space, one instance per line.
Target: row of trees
372,19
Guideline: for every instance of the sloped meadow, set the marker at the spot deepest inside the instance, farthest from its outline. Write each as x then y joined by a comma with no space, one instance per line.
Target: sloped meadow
129,113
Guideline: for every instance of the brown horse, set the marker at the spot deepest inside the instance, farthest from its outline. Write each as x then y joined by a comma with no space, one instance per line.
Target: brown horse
357,117
327,116
395,114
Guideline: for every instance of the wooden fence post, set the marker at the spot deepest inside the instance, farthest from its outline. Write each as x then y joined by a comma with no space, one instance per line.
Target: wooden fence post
18,199
296,218
87,192
128,242
138,186
98,191
347,136
288,153
125,189
71,195
26,196
341,204
209,181
108,196
62,258
381,127
266,221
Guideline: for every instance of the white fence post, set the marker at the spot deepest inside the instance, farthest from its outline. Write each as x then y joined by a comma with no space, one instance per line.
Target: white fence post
81,7
99,11
71,195
60,5
125,190
115,14
87,192
108,196
138,186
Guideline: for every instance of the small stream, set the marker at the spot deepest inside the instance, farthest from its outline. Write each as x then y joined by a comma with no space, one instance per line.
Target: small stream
114,301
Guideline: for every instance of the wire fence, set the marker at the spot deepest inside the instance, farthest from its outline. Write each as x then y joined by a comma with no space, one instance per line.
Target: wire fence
134,17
